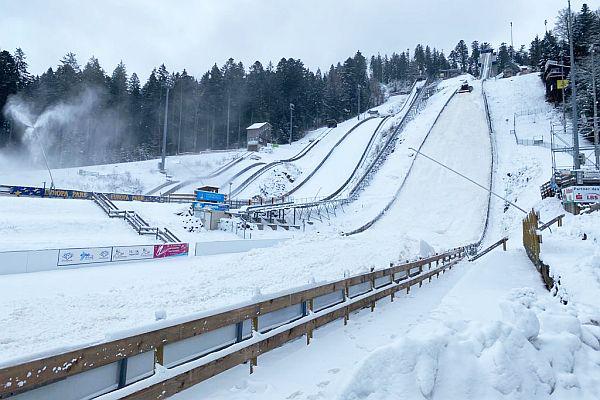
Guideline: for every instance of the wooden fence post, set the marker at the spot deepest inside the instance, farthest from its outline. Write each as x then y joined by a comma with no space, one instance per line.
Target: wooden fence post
254,360
159,355
309,331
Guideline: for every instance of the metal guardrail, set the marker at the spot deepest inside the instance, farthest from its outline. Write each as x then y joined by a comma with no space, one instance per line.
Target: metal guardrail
223,340
413,109
494,156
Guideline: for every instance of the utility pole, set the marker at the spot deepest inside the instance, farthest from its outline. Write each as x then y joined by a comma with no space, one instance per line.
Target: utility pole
164,138
512,47
228,106
291,119
180,111
576,163
358,99
596,150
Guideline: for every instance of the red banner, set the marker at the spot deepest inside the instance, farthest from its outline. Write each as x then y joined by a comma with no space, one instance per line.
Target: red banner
171,249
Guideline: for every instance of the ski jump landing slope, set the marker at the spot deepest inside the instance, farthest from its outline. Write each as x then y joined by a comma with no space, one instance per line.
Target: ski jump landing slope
436,205
340,164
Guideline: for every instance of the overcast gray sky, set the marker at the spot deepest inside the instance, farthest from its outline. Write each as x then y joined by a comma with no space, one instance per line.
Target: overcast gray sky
196,34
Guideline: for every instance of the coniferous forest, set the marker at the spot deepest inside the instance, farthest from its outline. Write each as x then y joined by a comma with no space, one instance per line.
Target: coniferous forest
122,115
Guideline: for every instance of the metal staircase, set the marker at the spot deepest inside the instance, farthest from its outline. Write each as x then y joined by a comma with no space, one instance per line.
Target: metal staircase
133,219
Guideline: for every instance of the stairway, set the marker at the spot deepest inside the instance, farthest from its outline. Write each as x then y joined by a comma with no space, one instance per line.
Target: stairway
134,219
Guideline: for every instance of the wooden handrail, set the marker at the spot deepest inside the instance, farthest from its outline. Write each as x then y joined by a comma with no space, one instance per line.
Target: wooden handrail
41,372
490,248
552,222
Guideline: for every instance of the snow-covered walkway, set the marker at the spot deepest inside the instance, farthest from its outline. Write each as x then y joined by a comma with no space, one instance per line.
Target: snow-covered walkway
492,317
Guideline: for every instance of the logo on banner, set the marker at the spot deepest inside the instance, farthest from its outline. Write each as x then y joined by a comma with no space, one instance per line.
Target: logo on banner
124,253
170,250
84,255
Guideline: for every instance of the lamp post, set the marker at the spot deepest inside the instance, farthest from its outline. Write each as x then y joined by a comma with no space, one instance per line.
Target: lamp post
292,107
596,150
229,197
164,138
512,48
358,99
576,161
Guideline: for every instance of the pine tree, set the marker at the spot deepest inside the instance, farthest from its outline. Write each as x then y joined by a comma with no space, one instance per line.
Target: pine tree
503,57
475,53
93,74
535,53
25,77
586,27
462,55
9,84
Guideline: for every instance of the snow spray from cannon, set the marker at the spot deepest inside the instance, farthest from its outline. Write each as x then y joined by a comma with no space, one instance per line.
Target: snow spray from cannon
68,128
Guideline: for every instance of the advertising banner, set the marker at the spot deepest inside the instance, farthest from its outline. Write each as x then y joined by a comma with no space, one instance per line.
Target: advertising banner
84,256
582,194
209,196
171,249
126,253
78,194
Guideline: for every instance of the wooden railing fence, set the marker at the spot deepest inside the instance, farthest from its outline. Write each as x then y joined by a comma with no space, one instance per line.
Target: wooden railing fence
253,330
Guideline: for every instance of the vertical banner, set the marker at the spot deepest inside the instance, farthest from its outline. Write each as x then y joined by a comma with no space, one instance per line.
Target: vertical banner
171,249
89,255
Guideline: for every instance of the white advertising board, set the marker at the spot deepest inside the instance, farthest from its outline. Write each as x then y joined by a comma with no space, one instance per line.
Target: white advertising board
582,194
88,255
126,253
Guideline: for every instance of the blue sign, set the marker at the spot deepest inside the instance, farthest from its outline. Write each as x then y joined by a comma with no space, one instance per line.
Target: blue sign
211,206
202,195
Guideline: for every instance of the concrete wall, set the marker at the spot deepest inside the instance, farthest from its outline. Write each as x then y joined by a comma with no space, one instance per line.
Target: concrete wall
233,246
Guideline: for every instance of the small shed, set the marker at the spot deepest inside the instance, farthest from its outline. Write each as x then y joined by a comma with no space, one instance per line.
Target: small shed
258,135
450,73
511,70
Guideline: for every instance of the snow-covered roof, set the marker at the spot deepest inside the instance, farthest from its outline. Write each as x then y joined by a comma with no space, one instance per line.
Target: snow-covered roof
257,125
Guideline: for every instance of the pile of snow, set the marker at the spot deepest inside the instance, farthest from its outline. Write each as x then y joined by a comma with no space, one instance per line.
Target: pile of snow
538,350
573,255
279,180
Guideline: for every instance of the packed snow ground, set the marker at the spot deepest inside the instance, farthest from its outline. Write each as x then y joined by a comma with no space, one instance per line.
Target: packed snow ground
134,177
509,339
29,223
